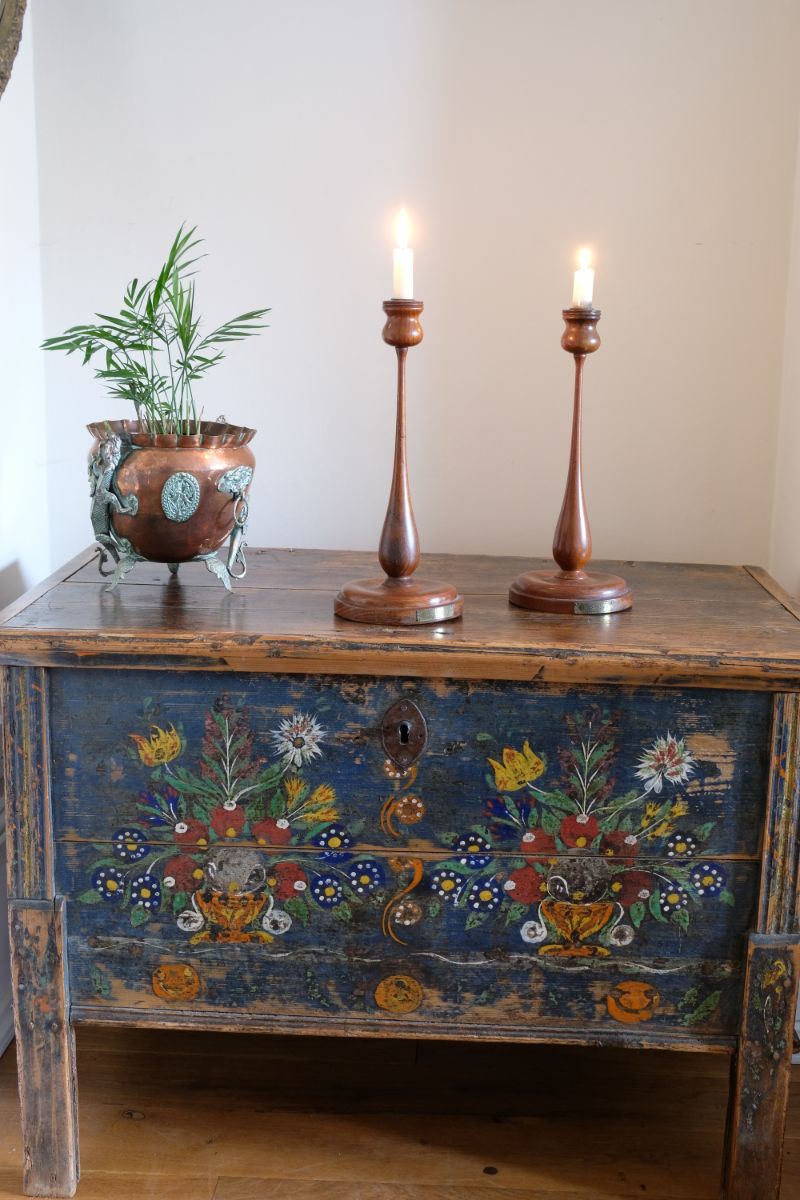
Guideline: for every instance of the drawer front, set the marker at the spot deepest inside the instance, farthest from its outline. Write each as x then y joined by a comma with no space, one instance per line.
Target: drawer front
490,855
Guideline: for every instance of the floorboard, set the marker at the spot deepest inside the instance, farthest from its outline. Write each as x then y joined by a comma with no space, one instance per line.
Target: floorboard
200,1116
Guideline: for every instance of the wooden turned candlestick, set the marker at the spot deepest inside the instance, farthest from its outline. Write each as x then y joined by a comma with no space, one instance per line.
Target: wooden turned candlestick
399,598
572,589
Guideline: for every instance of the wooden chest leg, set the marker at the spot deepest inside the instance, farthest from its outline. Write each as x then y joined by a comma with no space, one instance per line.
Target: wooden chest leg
760,1077
45,1048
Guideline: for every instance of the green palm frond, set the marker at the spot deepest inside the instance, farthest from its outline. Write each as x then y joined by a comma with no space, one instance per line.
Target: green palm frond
152,350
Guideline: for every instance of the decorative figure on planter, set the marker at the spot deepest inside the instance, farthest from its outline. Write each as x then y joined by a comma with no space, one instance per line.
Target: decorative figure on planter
102,467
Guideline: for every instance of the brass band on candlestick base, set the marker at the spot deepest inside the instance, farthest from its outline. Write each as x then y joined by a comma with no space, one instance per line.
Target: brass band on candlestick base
571,589
399,598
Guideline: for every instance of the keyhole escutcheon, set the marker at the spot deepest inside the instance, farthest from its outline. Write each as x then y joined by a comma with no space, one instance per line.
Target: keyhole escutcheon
404,733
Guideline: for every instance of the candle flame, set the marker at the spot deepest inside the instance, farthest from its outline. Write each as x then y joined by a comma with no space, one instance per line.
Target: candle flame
402,229
584,258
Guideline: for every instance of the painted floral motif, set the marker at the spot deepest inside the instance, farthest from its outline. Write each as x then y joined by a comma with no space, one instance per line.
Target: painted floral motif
195,853
297,741
667,758
591,872
576,853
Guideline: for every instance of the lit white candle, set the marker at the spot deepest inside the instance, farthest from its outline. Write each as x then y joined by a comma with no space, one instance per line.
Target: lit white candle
403,261
583,286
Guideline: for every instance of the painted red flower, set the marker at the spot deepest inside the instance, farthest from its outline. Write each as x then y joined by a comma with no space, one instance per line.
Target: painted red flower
271,832
227,822
525,885
536,841
619,844
630,886
290,880
579,831
182,874
191,832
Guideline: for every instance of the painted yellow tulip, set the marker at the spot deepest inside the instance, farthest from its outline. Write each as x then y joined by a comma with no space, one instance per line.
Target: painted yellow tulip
518,768
160,747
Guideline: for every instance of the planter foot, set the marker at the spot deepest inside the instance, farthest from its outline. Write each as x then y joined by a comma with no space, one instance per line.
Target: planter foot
218,568
173,568
127,561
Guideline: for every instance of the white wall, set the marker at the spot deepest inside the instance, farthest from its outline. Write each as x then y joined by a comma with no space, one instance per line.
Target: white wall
663,133
24,548
784,560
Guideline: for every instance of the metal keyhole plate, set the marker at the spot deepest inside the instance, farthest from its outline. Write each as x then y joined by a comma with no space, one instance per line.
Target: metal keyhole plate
404,733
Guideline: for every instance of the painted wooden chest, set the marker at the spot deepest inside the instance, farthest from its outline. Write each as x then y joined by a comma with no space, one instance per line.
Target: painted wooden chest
242,813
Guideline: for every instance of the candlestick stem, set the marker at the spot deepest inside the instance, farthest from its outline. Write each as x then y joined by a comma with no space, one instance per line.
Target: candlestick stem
572,542
398,551
572,589
399,598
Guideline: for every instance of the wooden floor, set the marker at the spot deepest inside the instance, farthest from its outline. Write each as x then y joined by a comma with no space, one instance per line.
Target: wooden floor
179,1116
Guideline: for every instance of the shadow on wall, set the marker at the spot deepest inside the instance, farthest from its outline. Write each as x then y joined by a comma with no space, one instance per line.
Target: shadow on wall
12,583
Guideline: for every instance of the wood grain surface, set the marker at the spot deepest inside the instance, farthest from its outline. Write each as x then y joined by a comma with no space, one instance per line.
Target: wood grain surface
166,1116
718,625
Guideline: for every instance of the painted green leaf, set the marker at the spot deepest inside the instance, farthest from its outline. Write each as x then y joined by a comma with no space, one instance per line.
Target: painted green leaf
483,737
451,864
727,897
515,912
475,919
550,823
139,916
90,897
637,913
559,801
704,1010
434,908
298,910
689,999
703,831
681,917
654,904
343,912
100,982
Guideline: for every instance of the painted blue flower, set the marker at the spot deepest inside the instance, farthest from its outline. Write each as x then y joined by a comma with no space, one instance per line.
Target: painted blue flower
673,898
161,810
327,891
110,883
708,879
130,845
681,845
447,884
365,876
474,850
501,822
334,840
484,895
146,890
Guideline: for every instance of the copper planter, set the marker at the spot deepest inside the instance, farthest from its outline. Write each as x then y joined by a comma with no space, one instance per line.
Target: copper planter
168,498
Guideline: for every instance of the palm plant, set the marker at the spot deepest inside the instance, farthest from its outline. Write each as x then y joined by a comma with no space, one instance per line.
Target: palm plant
153,350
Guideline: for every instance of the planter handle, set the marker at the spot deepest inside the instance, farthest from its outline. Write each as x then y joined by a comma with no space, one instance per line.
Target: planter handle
236,546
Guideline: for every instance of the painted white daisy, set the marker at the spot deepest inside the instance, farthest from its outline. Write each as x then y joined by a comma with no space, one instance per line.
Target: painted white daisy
297,740
668,758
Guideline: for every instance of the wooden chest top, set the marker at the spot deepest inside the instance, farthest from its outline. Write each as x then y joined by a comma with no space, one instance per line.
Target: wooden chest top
720,626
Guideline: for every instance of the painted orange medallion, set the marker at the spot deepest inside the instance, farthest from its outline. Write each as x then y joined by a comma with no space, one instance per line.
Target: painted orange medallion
398,994
176,981
633,1001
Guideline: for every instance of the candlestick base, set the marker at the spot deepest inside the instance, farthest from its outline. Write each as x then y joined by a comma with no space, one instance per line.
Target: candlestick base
582,592
407,601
